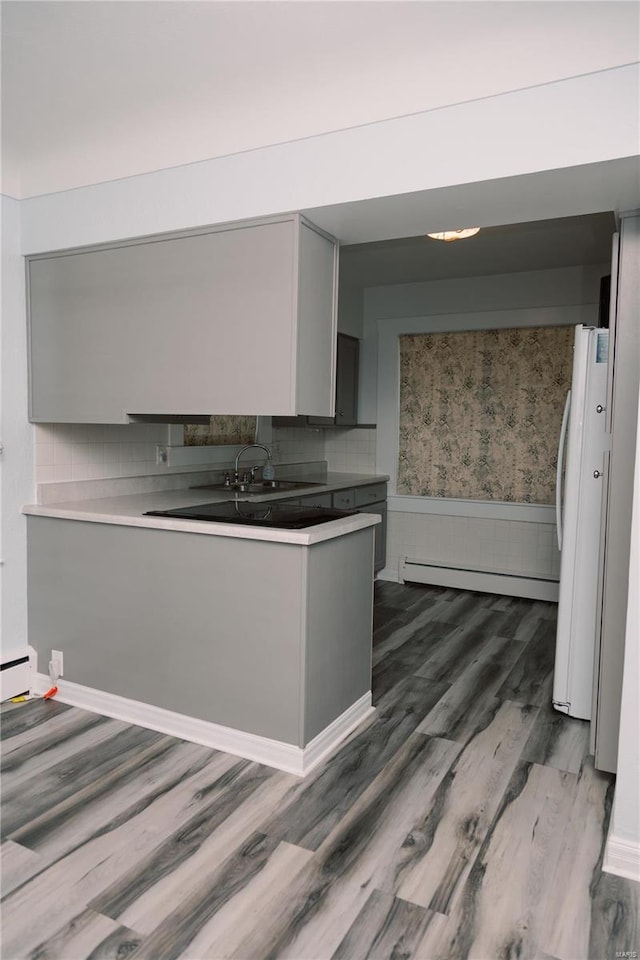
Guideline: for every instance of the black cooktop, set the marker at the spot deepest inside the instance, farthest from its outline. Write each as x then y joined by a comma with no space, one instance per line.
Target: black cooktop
283,517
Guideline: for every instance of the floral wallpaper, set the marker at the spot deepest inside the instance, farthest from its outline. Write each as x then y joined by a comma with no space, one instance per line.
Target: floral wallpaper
221,429
480,413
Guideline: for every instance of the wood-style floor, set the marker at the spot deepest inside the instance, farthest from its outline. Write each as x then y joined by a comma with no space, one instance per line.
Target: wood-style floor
465,819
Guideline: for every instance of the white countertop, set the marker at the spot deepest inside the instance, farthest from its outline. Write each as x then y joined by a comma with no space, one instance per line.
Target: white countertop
129,509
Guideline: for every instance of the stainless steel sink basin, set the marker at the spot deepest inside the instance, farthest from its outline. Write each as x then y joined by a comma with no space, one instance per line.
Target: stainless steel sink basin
259,486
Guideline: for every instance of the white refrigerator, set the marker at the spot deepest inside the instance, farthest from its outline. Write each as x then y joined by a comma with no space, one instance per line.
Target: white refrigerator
582,450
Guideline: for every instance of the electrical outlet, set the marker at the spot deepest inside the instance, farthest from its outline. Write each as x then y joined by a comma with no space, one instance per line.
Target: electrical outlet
57,662
162,456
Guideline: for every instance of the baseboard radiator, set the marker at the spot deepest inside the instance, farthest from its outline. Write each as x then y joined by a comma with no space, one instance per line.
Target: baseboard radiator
15,677
531,586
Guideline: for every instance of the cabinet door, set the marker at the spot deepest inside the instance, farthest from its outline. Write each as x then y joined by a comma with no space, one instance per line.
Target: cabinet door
316,323
347,356
347,381
229,321
373,493
171,326
344,499
317,500
380,557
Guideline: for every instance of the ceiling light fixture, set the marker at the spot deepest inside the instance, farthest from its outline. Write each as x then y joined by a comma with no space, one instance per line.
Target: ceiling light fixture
449,235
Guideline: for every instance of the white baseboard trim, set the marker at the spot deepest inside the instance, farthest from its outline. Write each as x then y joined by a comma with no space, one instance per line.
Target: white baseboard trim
273,753
388,573
328,739
487,581
15,676
622,857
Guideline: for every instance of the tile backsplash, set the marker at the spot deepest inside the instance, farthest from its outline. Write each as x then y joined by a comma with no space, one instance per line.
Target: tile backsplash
293,444
66,451
102,451
350,451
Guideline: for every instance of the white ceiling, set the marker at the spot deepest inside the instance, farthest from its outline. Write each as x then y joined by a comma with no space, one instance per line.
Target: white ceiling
93,91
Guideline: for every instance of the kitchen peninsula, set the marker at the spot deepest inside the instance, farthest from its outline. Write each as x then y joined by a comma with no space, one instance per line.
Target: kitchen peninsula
252,639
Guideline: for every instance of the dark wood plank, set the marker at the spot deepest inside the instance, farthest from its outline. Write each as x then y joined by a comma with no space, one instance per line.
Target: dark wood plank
314,806
17,865
465,603
28,764
228,792
407,659
174,933
557,740
331,891
520,620
530,680
15,721
385,927
449,654
615,917
88,935
32,798
463,818
117,946
103,805
441,849
458,713
398,631
529,892
401,629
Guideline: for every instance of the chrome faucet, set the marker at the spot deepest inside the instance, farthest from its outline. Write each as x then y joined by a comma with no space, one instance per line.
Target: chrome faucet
249,446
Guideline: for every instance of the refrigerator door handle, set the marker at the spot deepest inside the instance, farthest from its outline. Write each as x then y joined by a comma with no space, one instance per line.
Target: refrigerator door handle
561,443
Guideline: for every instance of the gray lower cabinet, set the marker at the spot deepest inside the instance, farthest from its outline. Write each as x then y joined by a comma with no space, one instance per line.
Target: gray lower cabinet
273,639
317,500
371,498
343,499
380,554
238,319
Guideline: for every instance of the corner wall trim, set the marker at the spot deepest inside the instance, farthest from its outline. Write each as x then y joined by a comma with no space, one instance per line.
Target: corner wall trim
273,753
328,739
622,857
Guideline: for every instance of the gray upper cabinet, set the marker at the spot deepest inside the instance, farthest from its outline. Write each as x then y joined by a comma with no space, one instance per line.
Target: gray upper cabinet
348,351
235,319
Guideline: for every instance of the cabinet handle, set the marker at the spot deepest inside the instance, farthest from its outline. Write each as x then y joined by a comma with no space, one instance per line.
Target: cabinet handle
596,474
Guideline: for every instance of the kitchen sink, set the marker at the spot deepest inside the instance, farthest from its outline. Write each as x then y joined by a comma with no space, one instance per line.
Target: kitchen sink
258,486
